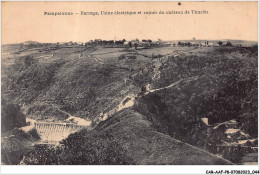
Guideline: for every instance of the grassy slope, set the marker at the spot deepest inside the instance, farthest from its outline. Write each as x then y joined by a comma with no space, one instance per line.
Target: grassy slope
220,85
49,88
16,145
70,84
147,146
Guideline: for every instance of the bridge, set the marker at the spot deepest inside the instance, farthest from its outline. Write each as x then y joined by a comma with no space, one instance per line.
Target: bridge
55,132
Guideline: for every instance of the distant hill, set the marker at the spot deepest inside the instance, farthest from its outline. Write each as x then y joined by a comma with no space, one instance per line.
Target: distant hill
30,42
234,42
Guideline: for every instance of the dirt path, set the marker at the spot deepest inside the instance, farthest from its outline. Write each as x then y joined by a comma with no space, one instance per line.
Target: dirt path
219,157
129,100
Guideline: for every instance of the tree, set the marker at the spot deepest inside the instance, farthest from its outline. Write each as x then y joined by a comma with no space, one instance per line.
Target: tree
143,90
180,43
81,148
229,43
220,43
43,155
11,116
135,44
130,44
123,41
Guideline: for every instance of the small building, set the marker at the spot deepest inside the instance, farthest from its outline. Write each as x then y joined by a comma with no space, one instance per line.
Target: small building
205,120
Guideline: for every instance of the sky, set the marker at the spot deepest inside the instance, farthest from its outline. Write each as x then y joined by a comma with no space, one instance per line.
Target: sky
25,21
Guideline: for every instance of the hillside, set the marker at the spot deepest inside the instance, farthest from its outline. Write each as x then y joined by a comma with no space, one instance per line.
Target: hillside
147,103
145,145
125,138
220,85
50,88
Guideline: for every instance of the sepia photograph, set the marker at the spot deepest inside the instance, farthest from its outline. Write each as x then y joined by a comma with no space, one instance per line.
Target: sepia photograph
129,83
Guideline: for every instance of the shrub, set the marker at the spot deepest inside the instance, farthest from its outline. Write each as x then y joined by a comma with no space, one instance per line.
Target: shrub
11,116
81,148
121,57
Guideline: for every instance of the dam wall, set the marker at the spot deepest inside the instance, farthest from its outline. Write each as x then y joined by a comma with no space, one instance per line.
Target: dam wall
55,132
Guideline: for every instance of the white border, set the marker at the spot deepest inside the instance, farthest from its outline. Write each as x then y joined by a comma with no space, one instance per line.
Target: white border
135,169
117,169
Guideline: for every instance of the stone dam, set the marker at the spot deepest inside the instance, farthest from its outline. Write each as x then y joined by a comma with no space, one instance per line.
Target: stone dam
55,132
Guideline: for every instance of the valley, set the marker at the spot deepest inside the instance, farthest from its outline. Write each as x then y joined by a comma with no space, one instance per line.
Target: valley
157,105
